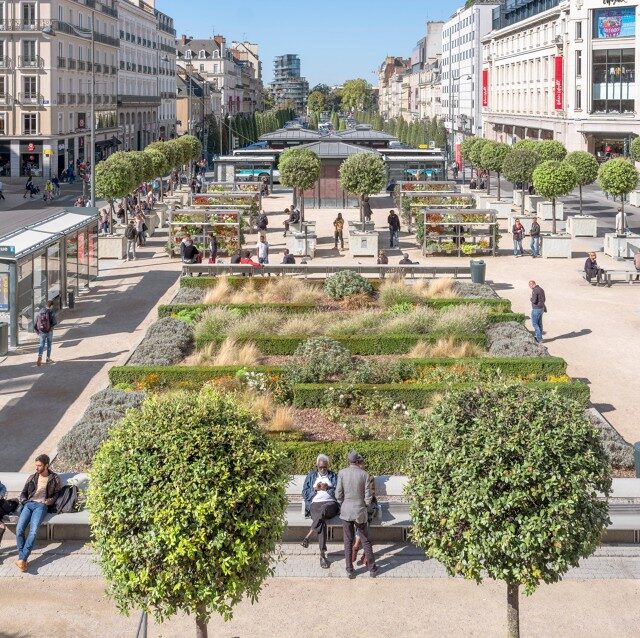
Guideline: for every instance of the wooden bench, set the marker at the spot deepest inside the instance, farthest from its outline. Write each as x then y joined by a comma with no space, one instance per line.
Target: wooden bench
304,270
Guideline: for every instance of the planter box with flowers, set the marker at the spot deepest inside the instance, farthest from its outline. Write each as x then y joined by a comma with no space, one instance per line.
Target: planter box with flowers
450,232
230,187
226,225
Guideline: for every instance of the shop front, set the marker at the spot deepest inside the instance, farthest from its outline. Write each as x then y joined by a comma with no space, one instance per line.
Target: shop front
71,152
60,149
30,159
5,160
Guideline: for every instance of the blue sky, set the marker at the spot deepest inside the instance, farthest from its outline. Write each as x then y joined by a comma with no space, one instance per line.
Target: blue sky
335,39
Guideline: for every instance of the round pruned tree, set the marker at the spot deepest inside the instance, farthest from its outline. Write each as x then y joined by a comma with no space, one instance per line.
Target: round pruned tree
114,179
160,165
194,146
618,177
492,159
518,166
299,169
186,506
504,482
554,179
634,149
465,150
476,152
363,174
531,145
551,150
586,167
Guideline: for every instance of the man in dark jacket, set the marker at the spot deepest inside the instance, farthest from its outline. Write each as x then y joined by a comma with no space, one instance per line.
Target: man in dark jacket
591,269
43,326
394,228
366,209
535,238
39,493
319,493
287,257
538,308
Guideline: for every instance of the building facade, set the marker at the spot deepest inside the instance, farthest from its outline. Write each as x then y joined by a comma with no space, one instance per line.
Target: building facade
390,77
288,84
563,71
461,66
45,83
193,104
166,46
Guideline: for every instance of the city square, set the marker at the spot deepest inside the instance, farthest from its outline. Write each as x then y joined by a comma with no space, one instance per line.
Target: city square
263,336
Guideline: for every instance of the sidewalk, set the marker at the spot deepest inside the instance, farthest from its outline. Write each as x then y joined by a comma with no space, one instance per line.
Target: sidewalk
39,405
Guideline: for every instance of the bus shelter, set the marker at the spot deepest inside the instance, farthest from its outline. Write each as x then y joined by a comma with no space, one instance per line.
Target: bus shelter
53,260
248,168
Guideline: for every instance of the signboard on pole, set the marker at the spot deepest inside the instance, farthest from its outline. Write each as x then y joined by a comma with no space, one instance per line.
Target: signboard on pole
485,87
558,87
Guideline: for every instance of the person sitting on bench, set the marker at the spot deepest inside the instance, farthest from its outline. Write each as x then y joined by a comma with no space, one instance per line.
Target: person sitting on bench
591,269
287,257
405,261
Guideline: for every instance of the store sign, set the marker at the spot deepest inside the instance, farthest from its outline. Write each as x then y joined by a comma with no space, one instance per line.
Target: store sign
485,87
4,290
82,121
619,22
7,251
458,157
31,147
558,87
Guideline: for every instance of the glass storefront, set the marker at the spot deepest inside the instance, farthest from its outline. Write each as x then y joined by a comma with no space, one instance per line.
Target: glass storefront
614,75
25,295
53,271
72,263
93,251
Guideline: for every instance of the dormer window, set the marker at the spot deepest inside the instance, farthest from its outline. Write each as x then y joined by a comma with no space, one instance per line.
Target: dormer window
203,54
187,54
216,53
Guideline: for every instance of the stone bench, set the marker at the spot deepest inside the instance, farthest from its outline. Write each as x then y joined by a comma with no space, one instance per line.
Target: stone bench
611,275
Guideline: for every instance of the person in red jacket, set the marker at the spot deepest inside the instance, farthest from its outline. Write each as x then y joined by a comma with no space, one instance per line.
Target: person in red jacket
246,259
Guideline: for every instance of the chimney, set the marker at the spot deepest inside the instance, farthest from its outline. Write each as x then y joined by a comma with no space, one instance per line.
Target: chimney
183,39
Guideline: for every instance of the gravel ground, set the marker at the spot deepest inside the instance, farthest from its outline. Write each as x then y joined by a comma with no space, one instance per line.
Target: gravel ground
467,289
189,295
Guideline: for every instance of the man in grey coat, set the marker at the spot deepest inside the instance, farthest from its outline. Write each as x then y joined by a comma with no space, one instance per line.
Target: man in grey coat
353,494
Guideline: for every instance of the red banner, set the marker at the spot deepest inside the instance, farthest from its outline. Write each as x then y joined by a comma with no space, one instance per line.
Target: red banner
458,157
558,87
485,87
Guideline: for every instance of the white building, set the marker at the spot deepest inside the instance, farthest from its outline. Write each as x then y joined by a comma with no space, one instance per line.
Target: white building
166,46
566,71
461,70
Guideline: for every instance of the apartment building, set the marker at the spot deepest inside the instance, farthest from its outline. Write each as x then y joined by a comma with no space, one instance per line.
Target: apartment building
288,84
46,67
565,71
461,68
390,78
166,46
430,86
234,74
193,103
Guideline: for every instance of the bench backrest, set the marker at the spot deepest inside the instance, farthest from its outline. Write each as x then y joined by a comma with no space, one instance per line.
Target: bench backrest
385,485
14,481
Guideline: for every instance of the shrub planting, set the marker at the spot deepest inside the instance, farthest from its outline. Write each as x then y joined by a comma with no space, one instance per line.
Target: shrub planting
320,359
346,283
167,342
511,339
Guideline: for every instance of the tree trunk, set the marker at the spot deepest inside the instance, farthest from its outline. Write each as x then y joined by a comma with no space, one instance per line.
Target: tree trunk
201,623
513,611
161,187
553,215
498,186
301,207
488,182
623,225
522,211
111,217
580,187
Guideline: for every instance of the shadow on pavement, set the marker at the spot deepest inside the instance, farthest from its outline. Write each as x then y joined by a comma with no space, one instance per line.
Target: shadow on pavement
570,335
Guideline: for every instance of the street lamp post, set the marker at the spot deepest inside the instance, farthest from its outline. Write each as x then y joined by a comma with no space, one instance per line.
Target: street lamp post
82,33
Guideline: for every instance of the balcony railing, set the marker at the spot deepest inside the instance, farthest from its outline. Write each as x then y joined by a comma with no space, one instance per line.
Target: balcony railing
71,98
98,99
71,63
30,62
139,99
6,63
62,98
97,67
113,70
62,63
6,99
30,99
109,11
81,65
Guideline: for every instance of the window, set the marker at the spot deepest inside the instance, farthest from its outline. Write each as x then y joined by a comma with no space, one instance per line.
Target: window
578,30
578,64
60,130
203,54
28,50
29,123
187,54
29,13
202,67
3,126
613,88
2,85
29,85
578,99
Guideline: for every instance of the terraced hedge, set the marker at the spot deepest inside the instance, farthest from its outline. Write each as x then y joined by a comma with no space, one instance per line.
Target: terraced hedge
311,395
239,282
366,345
195,376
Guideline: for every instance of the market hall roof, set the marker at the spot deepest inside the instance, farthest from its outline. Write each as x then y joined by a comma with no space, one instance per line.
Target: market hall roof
291,134
335,148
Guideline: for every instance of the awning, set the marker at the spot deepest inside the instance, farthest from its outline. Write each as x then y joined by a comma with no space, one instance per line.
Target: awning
115,141
104,144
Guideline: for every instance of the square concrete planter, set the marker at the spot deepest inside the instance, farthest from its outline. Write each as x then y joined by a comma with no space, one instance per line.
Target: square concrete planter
482,198
517,197
582,226
466,189
162,215
545,210
111,246
634,198
621,246
502,209
152,223
556,246
363,244
526,221
531,203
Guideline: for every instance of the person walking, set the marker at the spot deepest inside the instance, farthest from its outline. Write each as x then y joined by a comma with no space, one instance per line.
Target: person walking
366,209
338,231
538,308
353,492
38,494
1,191
43,326
535,238
141,227
263,250
28,187
131,235
394,228
518,235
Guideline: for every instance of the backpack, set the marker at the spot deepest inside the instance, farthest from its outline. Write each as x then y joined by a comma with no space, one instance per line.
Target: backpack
66,500
43,321
131,232
8,506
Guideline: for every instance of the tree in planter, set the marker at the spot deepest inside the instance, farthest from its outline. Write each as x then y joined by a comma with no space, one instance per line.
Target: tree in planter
300,170
554,179
160,165
114,179
200,507
586,167
476,152
504,482
169,152
618,177
551,150
518,167
465,150
363,175
492,158
634,149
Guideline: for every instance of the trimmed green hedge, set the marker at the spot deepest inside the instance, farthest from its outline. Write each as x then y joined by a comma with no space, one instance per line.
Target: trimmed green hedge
311,395
238,282
375,344
501,317
169,310
381,457
496,305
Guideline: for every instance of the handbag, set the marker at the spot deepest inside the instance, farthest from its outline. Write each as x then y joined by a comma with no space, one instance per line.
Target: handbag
144,228
212,260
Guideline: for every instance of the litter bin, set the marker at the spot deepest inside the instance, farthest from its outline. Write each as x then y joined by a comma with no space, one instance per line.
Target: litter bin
4,339
478,271
71,299
636,457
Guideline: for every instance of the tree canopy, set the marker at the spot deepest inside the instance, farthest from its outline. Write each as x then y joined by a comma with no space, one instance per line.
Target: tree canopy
299,168
492,158
363,174
504,482
585,165
199,507
519,164
551,150
356,94
316,102
617,176
634,149
554,179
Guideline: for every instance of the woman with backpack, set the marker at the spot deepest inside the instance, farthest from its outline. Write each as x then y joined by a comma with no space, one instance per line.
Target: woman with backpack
43,326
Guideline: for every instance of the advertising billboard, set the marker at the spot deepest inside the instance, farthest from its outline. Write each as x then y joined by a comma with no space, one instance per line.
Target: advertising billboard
558,87
485,87
617,22
4,291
